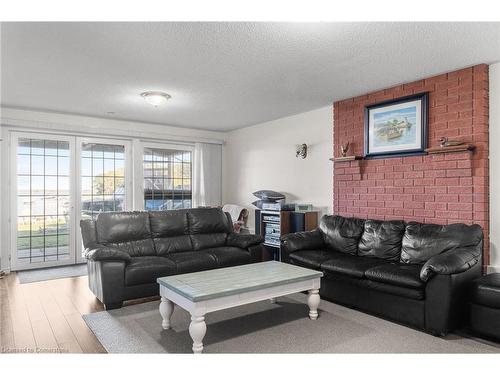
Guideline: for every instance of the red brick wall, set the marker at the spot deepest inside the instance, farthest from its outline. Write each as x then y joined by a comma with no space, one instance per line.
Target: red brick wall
441,188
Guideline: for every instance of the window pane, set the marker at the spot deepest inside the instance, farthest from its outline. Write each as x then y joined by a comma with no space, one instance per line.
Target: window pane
167,180
23,164
63,149
37,185
37,165
86,167
51,184
51,148
24,146
63,166
102,179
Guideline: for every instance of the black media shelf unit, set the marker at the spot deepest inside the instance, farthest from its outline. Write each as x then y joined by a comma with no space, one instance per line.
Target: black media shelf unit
273,224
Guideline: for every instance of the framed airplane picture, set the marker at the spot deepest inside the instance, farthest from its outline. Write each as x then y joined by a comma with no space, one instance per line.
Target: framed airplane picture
396,127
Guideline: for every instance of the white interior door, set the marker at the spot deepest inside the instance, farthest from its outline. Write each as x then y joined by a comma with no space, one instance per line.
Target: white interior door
42,196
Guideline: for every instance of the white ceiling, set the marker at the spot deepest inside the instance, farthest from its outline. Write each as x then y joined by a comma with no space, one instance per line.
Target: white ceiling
224,76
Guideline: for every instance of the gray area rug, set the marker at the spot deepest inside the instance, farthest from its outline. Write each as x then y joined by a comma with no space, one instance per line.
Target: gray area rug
31,276
264,327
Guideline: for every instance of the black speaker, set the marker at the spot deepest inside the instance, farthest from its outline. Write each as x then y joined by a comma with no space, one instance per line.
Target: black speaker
297,222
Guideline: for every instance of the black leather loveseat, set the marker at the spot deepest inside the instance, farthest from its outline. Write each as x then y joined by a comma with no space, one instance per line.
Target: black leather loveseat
127,251
417,274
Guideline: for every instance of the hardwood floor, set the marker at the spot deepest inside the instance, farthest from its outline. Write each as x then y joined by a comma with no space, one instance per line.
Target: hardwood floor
47,316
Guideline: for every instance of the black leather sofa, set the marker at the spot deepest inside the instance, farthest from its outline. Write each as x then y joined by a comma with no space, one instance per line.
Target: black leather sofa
127,251
416,274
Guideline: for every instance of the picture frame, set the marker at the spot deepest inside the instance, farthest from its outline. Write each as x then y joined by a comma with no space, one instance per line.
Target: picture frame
397,127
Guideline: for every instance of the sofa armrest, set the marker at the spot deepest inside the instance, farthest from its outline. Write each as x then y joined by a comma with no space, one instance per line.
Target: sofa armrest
107,253
447,300
243,241
291,242
451,262
303,240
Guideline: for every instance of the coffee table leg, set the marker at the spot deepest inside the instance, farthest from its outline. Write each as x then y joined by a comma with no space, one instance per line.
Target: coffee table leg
166,310
313,302
197,330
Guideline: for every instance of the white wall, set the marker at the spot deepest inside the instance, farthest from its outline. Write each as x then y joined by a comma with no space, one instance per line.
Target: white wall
494,168
263,157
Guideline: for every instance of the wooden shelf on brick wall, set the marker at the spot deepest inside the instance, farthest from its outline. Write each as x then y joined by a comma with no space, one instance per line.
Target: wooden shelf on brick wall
346,158
441,150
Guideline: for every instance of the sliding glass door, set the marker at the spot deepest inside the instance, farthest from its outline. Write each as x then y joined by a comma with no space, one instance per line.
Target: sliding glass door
53,174
43,230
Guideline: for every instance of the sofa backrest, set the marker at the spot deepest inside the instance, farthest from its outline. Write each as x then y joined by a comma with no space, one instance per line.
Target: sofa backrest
208,227
142,233
341,233
396,240
423,241
382,239
170,231
129,231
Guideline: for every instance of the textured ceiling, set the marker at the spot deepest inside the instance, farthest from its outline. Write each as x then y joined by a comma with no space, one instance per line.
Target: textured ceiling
224,76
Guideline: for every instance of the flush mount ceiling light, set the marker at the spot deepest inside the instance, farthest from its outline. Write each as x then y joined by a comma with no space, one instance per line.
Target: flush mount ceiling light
155,98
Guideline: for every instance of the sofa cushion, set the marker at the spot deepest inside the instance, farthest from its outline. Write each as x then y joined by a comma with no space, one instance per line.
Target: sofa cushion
486,290
417,294
312,258
170,231
341,233
382,239
207,240
167,245
405,275
350,265
208,220
145,270
422,241
227,256
192,261
129,231
172,223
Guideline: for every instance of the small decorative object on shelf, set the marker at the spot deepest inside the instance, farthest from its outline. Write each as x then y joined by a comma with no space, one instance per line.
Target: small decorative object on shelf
301,151
344,148
446,149
445,142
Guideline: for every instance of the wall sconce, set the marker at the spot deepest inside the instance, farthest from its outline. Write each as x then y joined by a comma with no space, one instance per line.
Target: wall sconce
301,151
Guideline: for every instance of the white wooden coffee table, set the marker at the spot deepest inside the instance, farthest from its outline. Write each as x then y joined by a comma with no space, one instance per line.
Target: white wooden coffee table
202,292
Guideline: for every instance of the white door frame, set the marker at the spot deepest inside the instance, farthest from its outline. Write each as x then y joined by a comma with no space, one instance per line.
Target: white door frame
128,182
14,137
